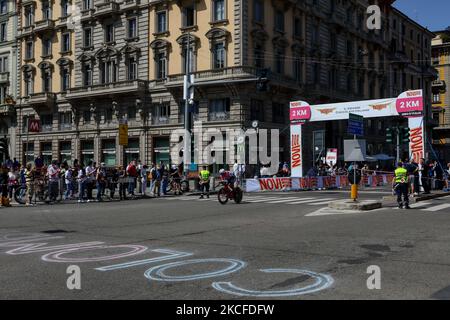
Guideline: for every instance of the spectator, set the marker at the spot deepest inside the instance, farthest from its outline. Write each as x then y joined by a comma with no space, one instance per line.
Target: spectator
53,172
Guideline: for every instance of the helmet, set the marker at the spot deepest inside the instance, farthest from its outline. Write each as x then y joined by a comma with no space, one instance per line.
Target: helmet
174,167
221,171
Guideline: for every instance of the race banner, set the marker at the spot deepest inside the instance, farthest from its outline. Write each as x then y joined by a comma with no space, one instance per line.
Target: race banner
332,157
312,183
416,139
299,113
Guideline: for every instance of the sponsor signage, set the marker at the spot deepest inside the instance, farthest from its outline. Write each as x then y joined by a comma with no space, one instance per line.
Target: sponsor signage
299,112
332,157
416,139
296,151
410,104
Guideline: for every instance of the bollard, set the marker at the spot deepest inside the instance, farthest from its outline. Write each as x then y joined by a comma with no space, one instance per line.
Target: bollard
354,192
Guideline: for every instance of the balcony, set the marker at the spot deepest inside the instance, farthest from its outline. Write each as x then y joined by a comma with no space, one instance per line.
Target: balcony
162,120
87,14
4,77
438,85
62,22
132,4
26,30
6,109
219,116
65,127
44,99
44,26
113,88
106,8
46,128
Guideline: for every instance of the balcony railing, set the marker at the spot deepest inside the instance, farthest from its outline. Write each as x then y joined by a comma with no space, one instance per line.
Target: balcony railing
44,26
162,120
27,30
87,14
46,128
122,87
132,4
438,84
6,109
65,126
43,98
108,7
219,116
4,77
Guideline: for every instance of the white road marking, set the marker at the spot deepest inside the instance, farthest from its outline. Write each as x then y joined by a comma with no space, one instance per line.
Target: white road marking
289,199
437,208
311,201
415,205
323,201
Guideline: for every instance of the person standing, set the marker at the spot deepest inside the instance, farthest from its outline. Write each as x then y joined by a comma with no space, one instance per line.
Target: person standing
152,178
90,177
82,182
204,181
139,168
165,179
143,173
53,181
29,180
101,181
123,183
4,185
400,185
132,175
68,179
425,179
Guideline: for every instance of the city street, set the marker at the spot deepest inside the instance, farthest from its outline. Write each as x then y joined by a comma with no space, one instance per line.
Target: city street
273,245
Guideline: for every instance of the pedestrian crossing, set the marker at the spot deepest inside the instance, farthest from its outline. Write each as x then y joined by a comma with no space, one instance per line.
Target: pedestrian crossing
430,206
285,200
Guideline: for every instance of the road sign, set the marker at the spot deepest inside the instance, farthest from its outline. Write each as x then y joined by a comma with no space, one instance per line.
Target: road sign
123,133
354,150
355,124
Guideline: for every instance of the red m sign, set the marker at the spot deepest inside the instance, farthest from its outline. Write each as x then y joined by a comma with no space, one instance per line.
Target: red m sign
34,125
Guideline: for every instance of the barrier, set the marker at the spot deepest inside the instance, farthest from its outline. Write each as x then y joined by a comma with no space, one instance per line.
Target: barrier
313,183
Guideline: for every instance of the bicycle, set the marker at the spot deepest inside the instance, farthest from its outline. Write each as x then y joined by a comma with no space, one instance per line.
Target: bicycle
227,193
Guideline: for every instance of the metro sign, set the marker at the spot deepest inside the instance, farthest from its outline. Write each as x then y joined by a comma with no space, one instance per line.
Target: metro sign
34,125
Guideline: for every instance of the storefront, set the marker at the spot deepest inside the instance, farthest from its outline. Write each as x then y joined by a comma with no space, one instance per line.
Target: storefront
161,150
109,153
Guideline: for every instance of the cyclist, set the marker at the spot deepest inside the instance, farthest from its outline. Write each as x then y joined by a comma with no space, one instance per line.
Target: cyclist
175,174
227,177
204,181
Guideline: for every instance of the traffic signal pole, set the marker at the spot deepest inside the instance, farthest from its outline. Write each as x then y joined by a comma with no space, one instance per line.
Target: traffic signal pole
398,145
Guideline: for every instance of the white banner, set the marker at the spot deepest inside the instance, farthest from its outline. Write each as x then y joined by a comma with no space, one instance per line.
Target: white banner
296,151
417,139
332,157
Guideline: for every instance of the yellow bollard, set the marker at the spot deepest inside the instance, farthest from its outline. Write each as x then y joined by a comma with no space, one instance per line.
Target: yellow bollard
354,193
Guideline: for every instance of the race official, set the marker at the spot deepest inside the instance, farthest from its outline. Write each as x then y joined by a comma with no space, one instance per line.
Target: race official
400,185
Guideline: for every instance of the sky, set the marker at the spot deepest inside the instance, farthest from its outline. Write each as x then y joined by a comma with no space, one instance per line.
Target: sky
433,14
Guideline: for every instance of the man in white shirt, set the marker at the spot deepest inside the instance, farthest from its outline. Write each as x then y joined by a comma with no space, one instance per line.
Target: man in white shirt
90,172
53,177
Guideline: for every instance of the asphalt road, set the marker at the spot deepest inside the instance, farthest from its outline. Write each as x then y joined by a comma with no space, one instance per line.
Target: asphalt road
274,245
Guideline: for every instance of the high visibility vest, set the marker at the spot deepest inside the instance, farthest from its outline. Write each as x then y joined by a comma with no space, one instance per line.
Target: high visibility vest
205,175
401,175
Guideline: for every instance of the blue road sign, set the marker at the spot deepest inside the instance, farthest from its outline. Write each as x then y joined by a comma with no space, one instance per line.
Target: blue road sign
355,125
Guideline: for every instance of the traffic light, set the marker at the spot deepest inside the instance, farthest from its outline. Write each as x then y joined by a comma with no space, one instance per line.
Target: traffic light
405,134
4,149
389,135
261,83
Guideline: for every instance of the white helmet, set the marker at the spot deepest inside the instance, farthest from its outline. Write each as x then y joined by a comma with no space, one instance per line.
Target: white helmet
221,171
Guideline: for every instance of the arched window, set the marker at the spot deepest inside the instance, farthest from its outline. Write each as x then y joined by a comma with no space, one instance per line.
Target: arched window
46,75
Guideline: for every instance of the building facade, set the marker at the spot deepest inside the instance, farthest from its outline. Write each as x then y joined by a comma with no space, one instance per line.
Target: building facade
128,59
441,95
8,73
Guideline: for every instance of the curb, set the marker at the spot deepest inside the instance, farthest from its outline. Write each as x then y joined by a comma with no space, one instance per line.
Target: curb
432,196
351,205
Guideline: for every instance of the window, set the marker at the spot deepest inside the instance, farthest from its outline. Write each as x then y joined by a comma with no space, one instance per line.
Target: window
188,16
297,28
277,112
46,80
87,4
46,47
219,109
258,14
315,35
87,75
436,98
279,60
132,112
46,122
87,152
87,37
109,152
65,45
349,48
298,71
65,120
108,71
28,80
259,56
279,20
29,52
3,32
4,67
3,6
161,63
29,16
87,116
161,18
350,83
109,33
3,93
132,68
65,79
219,10
161,113
131,152
46,10
191,60
65,8
65,152
257,110
219,56
132,28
